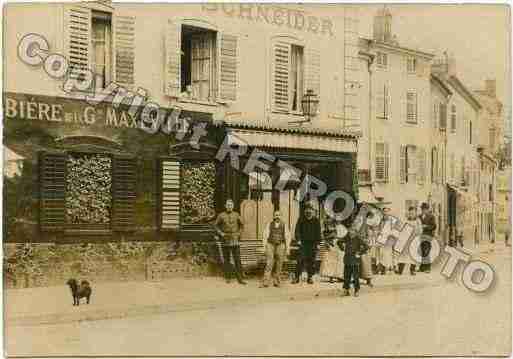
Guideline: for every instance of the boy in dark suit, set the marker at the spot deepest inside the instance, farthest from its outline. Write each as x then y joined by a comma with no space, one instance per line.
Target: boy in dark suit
353,247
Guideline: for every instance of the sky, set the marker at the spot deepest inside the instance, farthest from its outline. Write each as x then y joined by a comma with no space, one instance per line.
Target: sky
477,35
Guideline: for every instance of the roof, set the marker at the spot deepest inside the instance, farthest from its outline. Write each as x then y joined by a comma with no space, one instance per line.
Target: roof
397,48
349,134
438,82
464,92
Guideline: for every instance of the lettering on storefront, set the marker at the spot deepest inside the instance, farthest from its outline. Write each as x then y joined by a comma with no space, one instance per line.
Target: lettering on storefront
275,15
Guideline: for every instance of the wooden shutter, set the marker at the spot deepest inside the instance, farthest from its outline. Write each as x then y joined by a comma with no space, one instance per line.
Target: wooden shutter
380,161
380,102
173,54
281,71
443,116
402,164
313,71
52,182
77,25
421,158
124,193
170,194
228,53
387,161
124,47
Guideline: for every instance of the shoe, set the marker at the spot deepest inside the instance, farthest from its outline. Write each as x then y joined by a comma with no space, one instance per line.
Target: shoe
309,281
277,285
356,293
241,282
228,280
264,285
413,273
346,293
295,281
369,283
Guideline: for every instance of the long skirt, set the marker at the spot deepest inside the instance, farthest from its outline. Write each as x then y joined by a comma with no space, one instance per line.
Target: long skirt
366,267
332,264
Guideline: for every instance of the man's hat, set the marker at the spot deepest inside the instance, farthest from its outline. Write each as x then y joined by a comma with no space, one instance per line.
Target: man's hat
424,205
309,205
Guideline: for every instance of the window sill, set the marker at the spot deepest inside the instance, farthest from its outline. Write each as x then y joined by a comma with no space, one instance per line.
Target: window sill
200,102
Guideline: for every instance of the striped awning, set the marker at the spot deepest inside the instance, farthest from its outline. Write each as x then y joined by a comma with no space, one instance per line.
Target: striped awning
266,139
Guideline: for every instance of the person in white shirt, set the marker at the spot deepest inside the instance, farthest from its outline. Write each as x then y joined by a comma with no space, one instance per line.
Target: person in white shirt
404,257
277,235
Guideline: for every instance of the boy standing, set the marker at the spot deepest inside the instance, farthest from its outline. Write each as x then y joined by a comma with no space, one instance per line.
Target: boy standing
354,248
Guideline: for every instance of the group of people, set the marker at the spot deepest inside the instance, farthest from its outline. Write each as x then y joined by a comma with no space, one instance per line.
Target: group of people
352,254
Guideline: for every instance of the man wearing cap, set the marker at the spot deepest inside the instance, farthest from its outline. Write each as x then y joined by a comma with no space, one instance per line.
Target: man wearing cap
428,231
308,234
276,235
229,227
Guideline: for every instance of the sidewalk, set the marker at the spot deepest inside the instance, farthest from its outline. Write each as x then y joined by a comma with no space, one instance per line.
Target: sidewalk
50,305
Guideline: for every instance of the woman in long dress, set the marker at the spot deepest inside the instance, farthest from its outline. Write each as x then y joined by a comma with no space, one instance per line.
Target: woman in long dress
332,264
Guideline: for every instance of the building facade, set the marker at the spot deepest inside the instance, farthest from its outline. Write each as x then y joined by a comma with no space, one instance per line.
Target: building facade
125,143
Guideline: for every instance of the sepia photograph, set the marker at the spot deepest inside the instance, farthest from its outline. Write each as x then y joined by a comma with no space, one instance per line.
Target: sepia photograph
256,179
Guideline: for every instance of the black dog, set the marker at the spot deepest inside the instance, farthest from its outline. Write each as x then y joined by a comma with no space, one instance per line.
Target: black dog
79,291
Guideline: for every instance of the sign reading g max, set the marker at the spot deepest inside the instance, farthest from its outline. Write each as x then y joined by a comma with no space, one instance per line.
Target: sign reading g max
274,14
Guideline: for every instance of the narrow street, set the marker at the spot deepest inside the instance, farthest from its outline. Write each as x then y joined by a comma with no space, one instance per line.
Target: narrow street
440,320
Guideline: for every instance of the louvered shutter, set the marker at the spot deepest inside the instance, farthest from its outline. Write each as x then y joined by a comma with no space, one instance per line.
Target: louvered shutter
387,161
52,182
380,161
170,194
313,71
443,116
228,53
124,47
124,193
402,164
173,63
421,159
281,76
77,25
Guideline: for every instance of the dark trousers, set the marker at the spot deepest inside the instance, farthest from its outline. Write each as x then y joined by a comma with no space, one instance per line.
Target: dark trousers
234,251
352,273
307,254
425,248
400,268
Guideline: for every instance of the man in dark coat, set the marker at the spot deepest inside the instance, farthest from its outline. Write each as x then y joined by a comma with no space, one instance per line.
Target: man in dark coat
308,234
428,233
354,247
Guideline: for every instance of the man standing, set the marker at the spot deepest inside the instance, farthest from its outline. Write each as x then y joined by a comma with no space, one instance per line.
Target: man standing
229,227
276,235
308,234
428,231
354,247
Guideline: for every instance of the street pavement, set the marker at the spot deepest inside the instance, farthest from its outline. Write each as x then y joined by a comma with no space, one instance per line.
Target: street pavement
420,315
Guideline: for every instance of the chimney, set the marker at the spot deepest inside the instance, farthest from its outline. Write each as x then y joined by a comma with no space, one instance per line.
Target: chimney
382,29
490,87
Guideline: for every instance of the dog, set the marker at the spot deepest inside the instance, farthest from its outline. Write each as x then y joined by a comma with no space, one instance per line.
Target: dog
83,290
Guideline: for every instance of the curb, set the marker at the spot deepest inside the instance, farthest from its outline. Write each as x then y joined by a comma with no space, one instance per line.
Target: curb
145,310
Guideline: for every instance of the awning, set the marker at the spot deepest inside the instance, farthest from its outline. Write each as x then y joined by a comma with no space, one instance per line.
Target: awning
288,140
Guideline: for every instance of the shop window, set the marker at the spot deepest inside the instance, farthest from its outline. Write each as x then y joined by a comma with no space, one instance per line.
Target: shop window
87,191
411,107
101,48
199,61
198,190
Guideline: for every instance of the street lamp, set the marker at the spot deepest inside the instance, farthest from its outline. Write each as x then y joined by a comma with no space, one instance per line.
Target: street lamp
309,105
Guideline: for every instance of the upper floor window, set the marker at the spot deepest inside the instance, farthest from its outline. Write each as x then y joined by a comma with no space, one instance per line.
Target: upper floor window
382,59
443,116
296,77
101,48
198,66
382,161
411,65
435,115
411,164
383,102
470,132
411,107
453,118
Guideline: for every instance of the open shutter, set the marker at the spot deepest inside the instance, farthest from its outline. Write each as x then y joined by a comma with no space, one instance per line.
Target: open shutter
77,26
124,193
170,194
387,160
228,52
421,159
52,191
124,47
443,116
380,161
402,164
173,50
313,71
280,75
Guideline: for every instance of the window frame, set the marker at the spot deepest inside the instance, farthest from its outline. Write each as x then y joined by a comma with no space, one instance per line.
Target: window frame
454,118
412,94
383,156
105,18
382,59
411,65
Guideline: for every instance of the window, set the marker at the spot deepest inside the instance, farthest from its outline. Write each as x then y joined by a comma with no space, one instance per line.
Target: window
492,139
198,65
443,116
383,102
434,165
435,115
411,65
470,132
411,107
382,59
102,48
453,118
421,158
382,161
296,77
408,162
